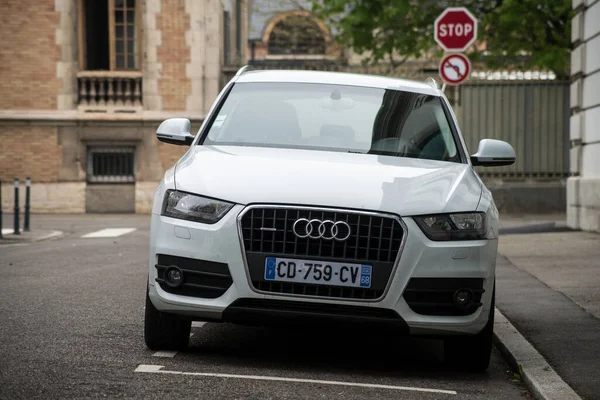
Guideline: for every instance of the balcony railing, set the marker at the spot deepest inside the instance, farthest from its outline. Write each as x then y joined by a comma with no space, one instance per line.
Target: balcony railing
109,91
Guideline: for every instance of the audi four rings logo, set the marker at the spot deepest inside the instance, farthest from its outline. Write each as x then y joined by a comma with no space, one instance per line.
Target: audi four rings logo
317,229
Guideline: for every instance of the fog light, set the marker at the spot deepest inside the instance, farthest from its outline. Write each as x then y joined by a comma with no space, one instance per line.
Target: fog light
173,276
463,298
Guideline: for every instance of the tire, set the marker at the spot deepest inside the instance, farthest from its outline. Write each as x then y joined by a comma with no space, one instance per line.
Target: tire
165,331
472,352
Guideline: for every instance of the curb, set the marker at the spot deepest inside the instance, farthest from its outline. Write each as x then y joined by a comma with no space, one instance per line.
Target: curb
17,242
539,377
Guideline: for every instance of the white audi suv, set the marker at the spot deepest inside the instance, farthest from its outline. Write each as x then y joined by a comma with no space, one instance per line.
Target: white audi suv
316,198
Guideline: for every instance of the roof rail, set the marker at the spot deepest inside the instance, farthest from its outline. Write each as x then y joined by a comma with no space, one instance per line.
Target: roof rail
432,82
245,68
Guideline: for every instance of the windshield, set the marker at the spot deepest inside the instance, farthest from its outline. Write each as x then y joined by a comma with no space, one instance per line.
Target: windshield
334,118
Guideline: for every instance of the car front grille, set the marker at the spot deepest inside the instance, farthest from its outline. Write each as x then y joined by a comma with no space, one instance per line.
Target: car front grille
205,279
374,239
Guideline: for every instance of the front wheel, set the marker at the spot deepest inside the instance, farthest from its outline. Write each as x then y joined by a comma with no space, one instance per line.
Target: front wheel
472,352
165,331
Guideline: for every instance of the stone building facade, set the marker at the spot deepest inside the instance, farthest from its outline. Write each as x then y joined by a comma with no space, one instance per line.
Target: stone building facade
85,84
284,32
583,189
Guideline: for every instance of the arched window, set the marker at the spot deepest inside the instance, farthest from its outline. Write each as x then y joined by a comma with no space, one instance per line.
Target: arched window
296,34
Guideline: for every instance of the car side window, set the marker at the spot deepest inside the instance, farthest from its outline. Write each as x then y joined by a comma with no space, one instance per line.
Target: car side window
428,133
414,127
446,132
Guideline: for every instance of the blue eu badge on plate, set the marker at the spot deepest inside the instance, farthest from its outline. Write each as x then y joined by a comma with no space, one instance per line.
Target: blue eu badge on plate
271,268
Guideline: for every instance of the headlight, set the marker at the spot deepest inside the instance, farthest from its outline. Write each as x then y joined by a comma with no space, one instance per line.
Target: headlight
459,226
194,208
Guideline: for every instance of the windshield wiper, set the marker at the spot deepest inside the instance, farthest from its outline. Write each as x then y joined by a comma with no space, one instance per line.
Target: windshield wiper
375,152
384,153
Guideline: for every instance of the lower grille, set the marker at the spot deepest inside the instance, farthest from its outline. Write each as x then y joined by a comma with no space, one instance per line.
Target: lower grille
435,296
205,279
318,290
261,311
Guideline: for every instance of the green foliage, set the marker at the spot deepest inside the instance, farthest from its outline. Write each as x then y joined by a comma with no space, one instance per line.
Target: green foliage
540,30
518,377
516,33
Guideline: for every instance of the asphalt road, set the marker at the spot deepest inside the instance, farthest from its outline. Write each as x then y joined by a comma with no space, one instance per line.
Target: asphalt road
71,312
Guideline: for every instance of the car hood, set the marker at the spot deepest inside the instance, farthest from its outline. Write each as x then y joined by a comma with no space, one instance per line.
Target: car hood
404,186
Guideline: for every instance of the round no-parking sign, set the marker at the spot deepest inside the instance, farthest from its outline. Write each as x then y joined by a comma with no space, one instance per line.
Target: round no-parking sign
455,68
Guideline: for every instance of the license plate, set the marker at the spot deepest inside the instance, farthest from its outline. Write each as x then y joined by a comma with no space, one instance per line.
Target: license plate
318,272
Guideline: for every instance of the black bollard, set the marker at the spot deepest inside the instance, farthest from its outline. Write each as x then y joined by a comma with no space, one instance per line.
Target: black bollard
16,227
27,198
0,208
27,206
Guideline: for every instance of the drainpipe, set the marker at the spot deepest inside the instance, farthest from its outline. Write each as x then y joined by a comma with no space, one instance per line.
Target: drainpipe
204,65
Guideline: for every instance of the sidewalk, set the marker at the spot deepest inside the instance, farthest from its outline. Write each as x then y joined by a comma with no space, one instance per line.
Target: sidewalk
511,224
548,286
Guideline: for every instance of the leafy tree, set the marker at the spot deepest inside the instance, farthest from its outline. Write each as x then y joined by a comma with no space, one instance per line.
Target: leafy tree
517,33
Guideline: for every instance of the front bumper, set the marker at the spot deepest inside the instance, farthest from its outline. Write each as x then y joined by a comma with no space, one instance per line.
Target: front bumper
420,258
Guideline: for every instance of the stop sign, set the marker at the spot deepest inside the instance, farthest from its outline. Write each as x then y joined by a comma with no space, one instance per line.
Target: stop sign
455,29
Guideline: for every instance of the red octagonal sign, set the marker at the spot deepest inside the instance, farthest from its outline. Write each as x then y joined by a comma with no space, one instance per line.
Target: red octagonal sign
455,29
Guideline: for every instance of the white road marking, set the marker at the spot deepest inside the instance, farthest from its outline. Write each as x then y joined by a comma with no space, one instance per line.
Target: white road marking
109,233
197,324
157,369
53,234
148,368
169,354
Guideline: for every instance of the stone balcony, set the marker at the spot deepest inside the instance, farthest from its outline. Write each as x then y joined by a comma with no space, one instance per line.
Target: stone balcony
109,91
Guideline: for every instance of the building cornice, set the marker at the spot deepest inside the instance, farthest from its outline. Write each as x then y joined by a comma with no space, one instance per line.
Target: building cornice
56,116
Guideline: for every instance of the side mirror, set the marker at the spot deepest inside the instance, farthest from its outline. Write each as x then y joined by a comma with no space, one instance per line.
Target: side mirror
494,153
175,131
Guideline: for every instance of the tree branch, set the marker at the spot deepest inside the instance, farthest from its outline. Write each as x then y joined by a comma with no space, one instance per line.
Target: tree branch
494,5
395,64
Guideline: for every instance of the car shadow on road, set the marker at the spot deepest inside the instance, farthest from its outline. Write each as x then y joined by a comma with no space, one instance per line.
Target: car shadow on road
378,352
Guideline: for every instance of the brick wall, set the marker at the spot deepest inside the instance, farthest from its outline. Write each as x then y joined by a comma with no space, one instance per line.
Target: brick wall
173,54
169,154
29,151
28,54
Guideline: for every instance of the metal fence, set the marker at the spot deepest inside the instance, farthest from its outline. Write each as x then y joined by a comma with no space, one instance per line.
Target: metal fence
529,110
533,116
